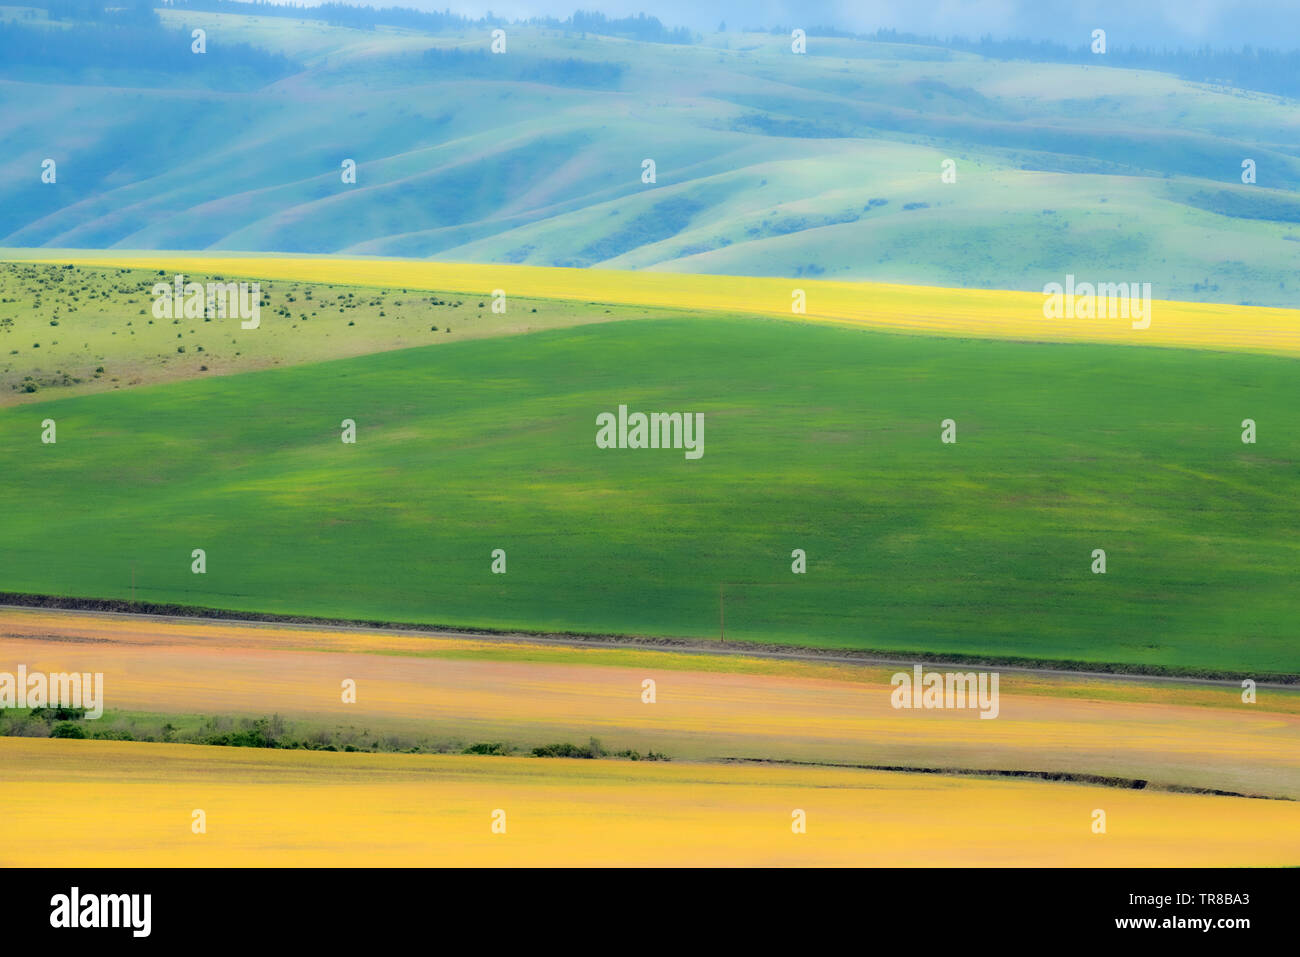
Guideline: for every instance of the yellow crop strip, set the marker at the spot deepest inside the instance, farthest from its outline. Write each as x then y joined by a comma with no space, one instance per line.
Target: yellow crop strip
927,310
108,803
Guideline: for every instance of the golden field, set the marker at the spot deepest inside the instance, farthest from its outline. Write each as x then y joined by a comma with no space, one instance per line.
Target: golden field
105,803
908,309
453,691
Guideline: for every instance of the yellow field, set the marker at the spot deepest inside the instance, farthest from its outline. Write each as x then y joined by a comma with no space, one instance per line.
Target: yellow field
911,309
450,692
102,803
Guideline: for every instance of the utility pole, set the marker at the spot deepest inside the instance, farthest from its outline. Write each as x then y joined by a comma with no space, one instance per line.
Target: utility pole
722,618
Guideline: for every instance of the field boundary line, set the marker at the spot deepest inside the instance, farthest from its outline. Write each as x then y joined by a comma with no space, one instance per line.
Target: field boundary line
188,614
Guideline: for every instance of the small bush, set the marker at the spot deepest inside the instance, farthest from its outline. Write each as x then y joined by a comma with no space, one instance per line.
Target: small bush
566,750
59,714
489,747
113,734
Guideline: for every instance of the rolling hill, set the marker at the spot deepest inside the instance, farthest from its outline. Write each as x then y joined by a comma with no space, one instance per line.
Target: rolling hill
767,163
832,434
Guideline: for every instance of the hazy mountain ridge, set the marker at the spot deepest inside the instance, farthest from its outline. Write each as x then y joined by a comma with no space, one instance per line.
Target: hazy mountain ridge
766,162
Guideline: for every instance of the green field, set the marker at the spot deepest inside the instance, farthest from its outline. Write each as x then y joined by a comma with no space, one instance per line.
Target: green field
817,438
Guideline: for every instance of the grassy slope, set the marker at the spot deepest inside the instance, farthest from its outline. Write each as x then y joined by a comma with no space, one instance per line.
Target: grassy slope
831,436
767,163
61,324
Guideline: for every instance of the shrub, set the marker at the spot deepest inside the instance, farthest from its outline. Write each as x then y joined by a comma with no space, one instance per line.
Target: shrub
566,750
490,747
59,714
113,734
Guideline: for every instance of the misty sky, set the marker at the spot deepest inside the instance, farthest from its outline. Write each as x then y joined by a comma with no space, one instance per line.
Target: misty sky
1156,23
